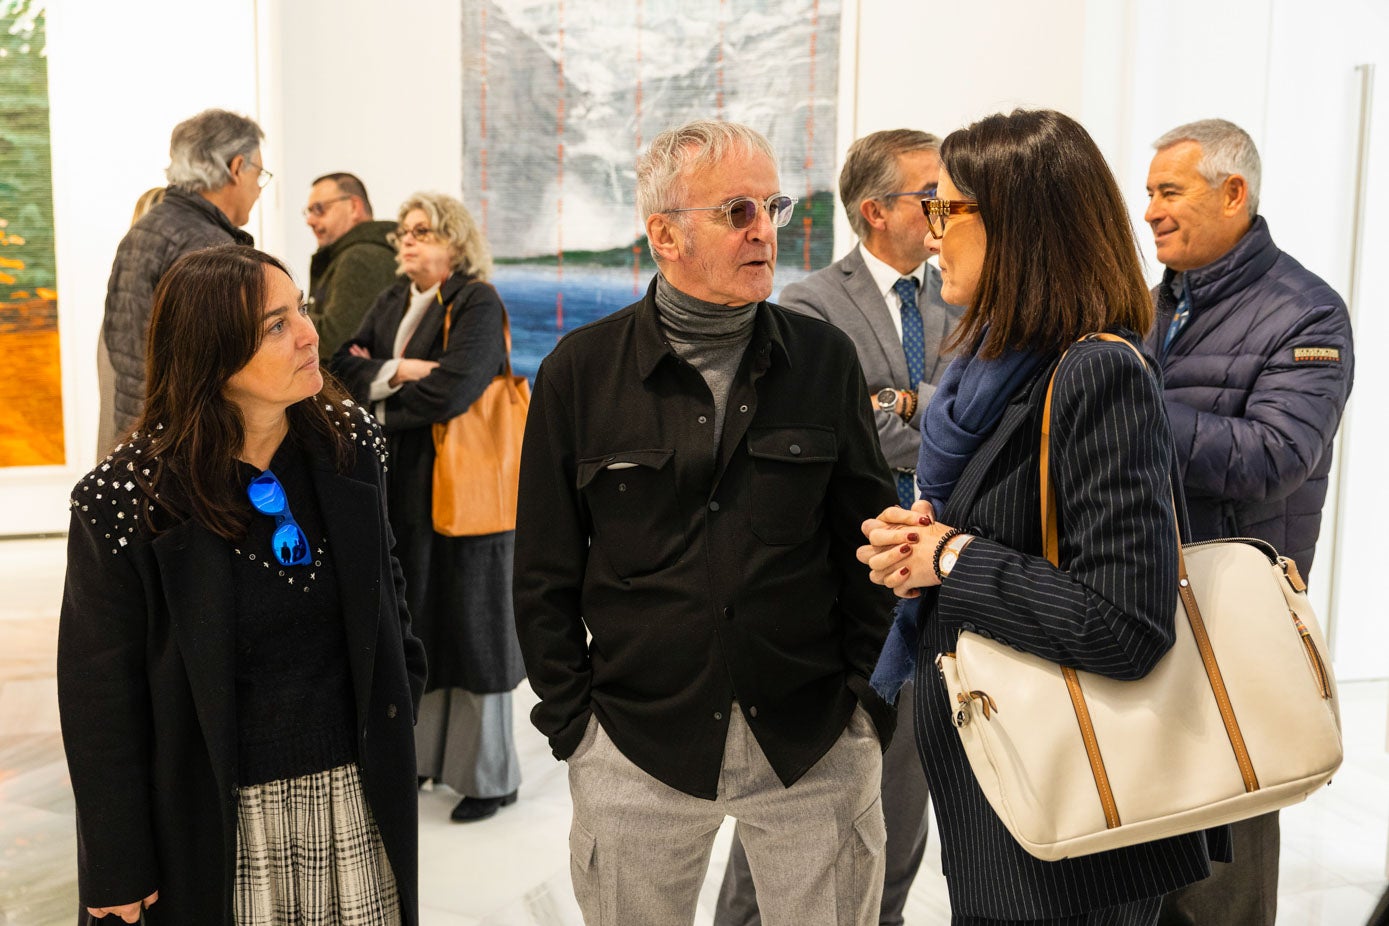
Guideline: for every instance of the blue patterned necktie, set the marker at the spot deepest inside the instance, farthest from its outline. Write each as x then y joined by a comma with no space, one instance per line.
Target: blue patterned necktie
1178,322
914,347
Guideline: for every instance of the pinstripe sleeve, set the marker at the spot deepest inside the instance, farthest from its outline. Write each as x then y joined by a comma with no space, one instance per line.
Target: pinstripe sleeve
1109,608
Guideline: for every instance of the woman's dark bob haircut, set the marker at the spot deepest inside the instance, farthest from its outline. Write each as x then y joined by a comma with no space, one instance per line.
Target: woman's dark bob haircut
1061,259
207,325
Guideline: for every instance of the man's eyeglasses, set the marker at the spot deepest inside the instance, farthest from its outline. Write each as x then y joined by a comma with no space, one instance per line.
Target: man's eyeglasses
928,193
742,212
263,177
938,210
317,209
267,496
421,233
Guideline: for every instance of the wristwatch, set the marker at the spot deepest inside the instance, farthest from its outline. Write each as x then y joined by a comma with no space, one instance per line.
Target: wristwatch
952,551
887,399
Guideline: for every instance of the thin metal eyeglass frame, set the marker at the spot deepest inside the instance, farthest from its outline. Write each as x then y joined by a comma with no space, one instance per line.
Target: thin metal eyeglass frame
780,221
317,210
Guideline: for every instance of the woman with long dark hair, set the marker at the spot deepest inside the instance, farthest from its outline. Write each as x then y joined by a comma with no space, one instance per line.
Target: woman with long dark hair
1035,242
236,674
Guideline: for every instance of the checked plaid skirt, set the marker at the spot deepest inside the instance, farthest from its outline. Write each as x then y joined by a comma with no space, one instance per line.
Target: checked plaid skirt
308,852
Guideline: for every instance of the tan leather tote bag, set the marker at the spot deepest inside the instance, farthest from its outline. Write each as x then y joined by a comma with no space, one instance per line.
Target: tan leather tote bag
477,456
1238,719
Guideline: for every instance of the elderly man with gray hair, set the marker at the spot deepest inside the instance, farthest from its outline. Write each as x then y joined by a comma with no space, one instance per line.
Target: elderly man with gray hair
690,609
215,177
1257,363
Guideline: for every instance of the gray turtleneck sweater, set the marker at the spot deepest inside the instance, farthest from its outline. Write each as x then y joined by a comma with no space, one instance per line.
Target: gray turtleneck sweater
709,337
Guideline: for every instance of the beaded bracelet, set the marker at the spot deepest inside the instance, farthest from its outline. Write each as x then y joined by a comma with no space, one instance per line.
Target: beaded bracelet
910,405
940,548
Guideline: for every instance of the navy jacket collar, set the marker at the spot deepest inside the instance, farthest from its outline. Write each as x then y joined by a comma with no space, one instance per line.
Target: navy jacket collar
1250,258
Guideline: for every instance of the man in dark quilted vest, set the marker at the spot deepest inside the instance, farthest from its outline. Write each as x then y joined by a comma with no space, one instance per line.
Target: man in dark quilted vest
1257,360
215,177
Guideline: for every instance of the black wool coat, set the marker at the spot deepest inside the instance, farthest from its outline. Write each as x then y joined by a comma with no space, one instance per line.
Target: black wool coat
146,686
458,588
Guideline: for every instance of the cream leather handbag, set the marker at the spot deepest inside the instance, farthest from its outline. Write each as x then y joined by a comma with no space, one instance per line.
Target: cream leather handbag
1238,719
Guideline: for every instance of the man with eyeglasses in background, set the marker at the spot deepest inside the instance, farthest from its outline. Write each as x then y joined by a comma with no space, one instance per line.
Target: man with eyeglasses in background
215,177
886,298
1257,362
695,470
354,261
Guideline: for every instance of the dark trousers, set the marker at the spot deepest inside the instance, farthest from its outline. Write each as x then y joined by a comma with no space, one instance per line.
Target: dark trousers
1244,891
904,811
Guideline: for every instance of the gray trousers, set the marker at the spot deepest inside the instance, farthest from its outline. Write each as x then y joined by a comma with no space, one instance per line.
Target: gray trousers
1244,891
904,810
639,849
466,741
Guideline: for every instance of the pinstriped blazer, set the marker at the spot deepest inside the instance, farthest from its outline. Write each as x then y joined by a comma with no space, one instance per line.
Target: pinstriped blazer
1108,609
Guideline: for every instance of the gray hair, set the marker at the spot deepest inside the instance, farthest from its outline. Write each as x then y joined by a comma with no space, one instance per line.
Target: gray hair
1226,150
675,153
871,171
201,149
454,224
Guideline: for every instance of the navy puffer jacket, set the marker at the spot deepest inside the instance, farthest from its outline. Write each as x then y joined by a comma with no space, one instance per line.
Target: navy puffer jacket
1255,384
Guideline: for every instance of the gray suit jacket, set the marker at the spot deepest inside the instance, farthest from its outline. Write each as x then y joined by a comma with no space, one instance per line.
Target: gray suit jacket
845,295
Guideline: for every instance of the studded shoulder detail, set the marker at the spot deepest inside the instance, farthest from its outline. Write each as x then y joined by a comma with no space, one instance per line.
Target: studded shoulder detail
361,427
108,498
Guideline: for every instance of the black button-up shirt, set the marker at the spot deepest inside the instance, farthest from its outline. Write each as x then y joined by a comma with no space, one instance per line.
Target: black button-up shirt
659,577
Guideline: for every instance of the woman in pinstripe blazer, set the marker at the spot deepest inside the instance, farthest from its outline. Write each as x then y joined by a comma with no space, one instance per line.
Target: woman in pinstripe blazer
1035,241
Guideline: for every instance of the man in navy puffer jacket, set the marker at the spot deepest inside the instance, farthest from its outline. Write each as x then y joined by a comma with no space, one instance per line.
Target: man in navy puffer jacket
1257,361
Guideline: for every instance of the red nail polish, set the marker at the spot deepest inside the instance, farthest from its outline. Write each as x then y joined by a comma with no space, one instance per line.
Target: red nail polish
906,571
925,521
906,548
914,537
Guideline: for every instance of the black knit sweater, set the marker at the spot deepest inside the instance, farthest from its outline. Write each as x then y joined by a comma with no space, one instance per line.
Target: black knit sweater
294,705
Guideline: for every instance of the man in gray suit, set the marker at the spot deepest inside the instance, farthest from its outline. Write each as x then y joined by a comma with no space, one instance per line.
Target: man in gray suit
886,297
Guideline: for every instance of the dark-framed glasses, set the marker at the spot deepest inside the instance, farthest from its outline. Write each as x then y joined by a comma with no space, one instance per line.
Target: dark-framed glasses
421,233
742,211
317,209
267,496
928,193
938,210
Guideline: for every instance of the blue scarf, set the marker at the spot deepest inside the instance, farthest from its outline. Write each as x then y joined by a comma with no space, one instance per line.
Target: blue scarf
964,410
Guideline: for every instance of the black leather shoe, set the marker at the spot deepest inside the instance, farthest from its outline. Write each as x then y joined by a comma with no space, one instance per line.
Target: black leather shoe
472,809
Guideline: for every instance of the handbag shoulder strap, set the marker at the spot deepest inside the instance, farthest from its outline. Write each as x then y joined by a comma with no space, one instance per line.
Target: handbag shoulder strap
1052,550
506,328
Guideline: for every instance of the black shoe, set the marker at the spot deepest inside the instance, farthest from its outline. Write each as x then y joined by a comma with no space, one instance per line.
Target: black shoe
423,780
471,809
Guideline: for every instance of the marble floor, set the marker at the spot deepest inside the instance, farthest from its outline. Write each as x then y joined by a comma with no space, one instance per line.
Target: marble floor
513,870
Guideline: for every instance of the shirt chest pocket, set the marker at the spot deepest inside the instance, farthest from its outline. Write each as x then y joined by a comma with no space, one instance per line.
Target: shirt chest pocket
791,467
631,497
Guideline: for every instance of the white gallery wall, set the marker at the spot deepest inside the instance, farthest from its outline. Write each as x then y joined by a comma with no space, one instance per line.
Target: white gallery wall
350,85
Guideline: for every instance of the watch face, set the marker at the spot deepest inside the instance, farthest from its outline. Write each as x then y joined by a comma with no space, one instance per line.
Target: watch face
947,561
887,398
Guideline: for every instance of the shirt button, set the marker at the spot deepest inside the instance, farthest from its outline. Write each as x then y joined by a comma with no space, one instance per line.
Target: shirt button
742,408
713,506
702,419
796,449
718,715
728,612
752,712
390,712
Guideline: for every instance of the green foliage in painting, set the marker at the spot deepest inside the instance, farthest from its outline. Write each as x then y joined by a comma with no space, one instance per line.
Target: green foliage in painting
26,175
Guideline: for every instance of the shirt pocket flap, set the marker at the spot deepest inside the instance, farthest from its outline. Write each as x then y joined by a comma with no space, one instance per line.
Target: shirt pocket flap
800,444
623,459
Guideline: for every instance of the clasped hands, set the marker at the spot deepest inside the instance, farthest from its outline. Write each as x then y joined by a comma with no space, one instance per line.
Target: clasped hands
901,546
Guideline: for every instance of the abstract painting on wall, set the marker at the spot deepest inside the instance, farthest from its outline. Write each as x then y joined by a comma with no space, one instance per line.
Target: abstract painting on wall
559,96
31,429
